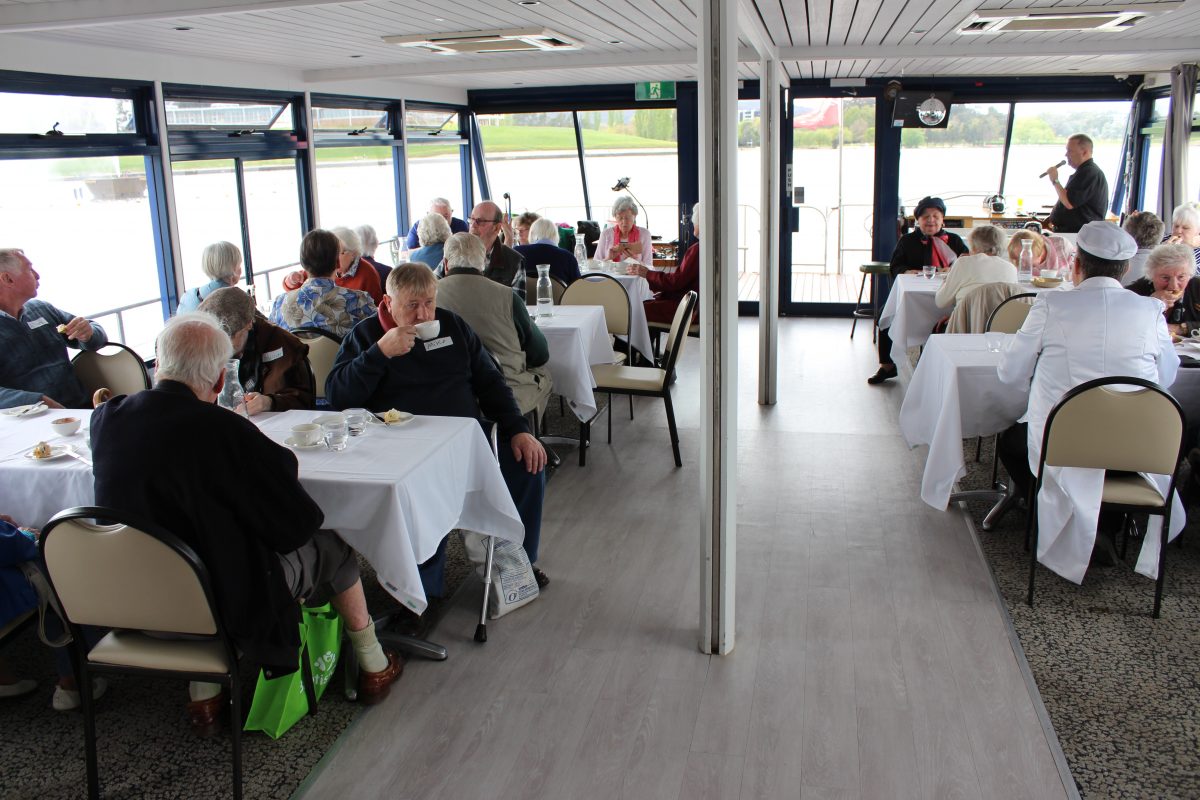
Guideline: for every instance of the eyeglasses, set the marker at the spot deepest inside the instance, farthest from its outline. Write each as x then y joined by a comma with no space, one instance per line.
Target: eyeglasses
481,222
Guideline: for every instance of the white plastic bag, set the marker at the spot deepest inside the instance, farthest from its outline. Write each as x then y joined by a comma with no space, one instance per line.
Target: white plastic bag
513,584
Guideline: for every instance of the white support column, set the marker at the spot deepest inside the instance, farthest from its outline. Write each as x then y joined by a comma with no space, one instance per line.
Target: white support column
718,46
768,269
164,150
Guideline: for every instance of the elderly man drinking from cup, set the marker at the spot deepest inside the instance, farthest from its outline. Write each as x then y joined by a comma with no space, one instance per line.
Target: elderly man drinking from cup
1171,277
416,357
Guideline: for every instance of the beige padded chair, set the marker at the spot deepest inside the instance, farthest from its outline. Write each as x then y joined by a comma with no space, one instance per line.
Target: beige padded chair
971,315
596,289
557,288
323,348
1009,316
644,381
1143,431
114,367
133,577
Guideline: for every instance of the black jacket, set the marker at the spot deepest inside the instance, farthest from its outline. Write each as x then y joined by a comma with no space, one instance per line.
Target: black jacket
914,250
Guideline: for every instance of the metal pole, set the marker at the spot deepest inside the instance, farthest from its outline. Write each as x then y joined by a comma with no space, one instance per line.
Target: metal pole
771,203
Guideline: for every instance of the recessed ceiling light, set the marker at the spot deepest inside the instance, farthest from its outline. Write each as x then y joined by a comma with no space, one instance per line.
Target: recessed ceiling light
518,83
918,30
530,3
357,56
615,41
182,28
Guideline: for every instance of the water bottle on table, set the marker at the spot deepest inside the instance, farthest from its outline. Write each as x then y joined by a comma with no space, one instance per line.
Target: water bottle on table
232,395
545,292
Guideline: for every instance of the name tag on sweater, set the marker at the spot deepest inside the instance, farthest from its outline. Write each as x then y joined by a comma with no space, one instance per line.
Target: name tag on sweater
437,344
273,355
34,324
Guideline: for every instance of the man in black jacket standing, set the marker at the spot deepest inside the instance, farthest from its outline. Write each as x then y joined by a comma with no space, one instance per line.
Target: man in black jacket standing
1085,197
170,455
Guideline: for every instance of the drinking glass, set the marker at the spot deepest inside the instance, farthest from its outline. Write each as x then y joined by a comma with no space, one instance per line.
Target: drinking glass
356,420
335,432
927,271
995,341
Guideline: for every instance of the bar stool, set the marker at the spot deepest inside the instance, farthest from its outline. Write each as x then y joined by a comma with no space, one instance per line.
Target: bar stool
872,270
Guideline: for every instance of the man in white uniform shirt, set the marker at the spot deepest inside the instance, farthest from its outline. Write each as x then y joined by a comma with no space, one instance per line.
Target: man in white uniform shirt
1071,337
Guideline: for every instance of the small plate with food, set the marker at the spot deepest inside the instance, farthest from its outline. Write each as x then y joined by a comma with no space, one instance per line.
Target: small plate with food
394,417
30,410
47,452
1046,283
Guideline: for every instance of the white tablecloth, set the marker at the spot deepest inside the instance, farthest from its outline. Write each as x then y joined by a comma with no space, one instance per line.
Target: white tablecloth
910,311
578,338
392,494
639,292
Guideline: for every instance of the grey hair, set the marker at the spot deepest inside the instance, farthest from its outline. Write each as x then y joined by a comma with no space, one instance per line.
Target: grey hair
432,229
1169,255
543,228
369,239
465,250
220,261
441,201
232,307
1084,140
348,238
1186,213
410,279
1145,227
192,349
988,239
11,259
624,203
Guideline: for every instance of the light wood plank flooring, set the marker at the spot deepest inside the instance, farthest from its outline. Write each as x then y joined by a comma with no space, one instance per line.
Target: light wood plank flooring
871,660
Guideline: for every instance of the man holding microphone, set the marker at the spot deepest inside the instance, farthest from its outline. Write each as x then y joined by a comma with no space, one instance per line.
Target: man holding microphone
1085,197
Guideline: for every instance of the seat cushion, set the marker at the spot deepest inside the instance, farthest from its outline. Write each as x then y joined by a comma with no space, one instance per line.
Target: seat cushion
1130,490
136,649
639,379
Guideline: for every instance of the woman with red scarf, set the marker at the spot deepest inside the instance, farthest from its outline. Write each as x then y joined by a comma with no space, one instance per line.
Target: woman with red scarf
928,244
624,239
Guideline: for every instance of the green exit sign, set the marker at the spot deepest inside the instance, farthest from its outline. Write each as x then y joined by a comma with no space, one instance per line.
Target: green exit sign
655,90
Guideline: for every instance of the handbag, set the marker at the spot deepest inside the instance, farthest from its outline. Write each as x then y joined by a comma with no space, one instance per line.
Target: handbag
513,584
279,703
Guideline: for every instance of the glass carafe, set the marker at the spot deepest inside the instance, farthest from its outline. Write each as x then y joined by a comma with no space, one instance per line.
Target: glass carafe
545,292
581,252
232,395
1025,261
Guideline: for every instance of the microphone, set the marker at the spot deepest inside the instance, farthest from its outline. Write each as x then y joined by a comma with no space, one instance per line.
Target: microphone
1056,166
622,183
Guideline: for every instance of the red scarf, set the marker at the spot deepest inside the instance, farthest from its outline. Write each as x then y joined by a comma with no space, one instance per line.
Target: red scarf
634,234
941,256
385,317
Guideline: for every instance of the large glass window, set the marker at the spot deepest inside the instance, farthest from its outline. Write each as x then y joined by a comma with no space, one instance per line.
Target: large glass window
1040,133
187,114
357,186
273,210
960,163
749,178
642,145
434,170
206,202
533,157
85,224
39,113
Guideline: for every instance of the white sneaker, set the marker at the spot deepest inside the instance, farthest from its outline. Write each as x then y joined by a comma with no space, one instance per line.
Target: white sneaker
69,699
18,688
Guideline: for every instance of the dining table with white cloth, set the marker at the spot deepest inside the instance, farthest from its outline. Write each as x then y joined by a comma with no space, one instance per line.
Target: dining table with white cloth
639,292
577,337
911,311
955,392
392,494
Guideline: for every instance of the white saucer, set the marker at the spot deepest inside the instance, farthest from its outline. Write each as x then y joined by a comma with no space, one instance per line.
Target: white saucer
31,410
56,451
292,443
405,418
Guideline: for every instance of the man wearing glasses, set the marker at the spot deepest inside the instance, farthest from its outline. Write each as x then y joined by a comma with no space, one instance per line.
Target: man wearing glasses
504,265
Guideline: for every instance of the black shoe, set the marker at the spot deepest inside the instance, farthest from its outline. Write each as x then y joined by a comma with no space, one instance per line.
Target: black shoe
542,579
1104,554
885,373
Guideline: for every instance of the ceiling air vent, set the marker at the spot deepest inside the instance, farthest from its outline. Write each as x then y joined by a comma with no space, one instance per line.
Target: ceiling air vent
1058,19
512,40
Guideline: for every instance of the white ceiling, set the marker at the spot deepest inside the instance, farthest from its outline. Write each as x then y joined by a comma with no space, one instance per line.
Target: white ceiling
328,43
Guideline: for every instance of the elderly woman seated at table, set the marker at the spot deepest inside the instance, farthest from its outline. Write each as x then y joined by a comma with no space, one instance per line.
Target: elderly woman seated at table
320,302
522,227
929,244
432,231
222,262
1171,277
670,286
370,243
625,239
351,273
271,361
1185,228
543,249
1147,230
982,265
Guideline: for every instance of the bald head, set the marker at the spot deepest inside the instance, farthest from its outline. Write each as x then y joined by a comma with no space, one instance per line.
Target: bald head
485,222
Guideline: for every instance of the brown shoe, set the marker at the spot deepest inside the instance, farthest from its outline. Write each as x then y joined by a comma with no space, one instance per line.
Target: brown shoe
542,579
373,687
205,715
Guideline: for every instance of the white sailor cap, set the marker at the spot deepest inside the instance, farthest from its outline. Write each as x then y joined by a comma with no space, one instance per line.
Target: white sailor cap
1106,240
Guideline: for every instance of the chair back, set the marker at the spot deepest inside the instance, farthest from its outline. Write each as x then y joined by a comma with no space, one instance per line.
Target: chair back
126,574
972,313
1102,424
602,290
323,348
114,367
679,331
557,288
1009,316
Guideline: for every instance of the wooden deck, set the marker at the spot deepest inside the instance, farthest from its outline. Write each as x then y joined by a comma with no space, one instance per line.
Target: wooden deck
807,287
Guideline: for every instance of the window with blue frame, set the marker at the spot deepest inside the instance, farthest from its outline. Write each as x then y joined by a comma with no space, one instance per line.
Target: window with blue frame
435,159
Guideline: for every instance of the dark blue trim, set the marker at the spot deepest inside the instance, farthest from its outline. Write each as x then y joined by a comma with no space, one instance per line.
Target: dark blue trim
464,166
587,196
687,135
887,183
306,177
479,156
399,166
168,290
239,178
69,85
218,94
1008,129
561,98
21,146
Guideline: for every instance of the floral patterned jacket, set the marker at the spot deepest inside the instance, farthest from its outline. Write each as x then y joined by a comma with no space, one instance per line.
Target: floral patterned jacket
321,303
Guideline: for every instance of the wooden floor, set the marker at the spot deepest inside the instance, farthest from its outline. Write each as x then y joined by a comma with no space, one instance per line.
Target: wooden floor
872,660
807,287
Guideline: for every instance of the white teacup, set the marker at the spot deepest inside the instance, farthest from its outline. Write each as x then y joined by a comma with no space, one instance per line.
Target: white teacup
1050,274
428,329
306,434
65,426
